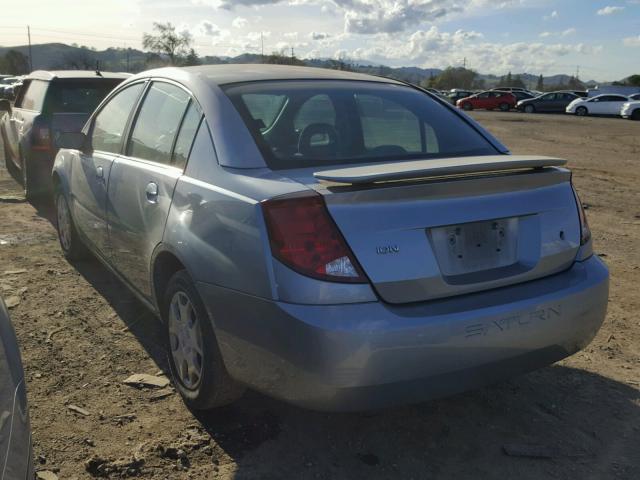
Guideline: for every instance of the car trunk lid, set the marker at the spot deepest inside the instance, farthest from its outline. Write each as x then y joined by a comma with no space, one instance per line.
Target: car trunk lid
437,228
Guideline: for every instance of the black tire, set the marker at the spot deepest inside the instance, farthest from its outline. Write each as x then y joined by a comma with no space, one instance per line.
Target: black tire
582,111
635,115
504,107
11,167
467,106
30,184
215,387
70,243
529,109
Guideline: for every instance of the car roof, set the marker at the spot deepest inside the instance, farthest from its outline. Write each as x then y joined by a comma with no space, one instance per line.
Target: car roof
239,73
53,74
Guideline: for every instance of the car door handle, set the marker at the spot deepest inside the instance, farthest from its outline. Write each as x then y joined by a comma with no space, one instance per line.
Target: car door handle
100,173
151,191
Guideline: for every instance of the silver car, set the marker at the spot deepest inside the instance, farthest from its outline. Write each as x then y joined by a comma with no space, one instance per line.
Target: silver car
15,433
336,240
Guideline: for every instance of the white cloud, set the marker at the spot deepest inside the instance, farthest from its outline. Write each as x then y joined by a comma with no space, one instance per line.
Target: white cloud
240,22
564,33
319,36
552,16
632,41
206,28
609,10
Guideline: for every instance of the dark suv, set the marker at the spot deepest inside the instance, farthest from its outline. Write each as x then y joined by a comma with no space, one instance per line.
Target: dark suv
48,104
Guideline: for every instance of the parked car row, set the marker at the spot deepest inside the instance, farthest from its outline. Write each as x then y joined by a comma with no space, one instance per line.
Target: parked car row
10,87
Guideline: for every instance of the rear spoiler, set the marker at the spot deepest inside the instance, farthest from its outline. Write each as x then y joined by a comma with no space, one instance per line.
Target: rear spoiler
383,172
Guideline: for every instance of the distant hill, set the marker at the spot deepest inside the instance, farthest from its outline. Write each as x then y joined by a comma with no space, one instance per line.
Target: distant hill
55,56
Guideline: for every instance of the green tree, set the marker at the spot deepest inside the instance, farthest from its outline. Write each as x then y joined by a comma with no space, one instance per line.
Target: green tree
192,58
15,63
167,41
282,58
454,77
540,84
634,80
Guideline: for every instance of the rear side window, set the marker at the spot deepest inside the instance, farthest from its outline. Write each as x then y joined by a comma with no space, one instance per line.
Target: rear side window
33,97
157,124
78,95
108,127
325,122
185,137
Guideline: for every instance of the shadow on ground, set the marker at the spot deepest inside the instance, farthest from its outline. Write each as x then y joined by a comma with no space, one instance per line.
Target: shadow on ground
582,423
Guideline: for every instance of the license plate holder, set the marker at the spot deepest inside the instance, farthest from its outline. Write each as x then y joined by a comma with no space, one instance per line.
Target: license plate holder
475,247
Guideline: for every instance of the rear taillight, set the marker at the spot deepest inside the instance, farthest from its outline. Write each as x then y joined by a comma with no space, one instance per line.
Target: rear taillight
304,237
585,231
40,138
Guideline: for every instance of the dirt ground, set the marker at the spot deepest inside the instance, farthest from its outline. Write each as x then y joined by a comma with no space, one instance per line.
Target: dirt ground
82,334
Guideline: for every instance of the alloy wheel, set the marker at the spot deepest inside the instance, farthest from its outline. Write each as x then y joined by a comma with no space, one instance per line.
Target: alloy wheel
185,341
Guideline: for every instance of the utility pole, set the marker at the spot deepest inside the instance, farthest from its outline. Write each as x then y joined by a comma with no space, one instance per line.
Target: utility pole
292,55
464,63
30,54
262,46
577,72
128,49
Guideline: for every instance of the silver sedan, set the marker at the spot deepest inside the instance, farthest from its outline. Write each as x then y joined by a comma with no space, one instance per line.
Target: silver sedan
337,240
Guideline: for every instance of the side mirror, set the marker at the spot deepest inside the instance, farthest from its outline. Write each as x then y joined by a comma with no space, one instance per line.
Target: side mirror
71,140
5,106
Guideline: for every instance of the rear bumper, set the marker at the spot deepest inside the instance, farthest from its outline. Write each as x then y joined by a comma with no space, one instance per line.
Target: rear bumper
372,355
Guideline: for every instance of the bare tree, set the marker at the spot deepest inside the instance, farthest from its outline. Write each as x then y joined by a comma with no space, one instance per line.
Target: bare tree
167,41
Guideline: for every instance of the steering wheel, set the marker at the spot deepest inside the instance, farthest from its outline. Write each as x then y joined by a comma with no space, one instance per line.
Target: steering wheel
329,149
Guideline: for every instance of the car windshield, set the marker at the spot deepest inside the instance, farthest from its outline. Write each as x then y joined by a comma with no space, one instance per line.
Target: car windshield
78,95
306,123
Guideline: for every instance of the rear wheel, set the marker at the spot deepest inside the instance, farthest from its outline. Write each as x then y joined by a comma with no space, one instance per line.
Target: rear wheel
30,184
635,115
467,106
581,111
11,167
529,108
70,243
194,357
504,107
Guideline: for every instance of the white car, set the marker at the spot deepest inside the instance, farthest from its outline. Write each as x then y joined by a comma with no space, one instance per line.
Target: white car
631,110
600,105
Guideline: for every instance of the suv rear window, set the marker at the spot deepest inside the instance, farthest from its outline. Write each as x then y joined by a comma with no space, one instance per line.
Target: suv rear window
78,95
307,123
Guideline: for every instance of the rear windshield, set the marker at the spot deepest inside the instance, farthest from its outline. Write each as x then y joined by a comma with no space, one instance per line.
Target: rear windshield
311,123
78,95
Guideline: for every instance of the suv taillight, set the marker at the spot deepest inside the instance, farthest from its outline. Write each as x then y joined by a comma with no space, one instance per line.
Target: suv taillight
585,231
40,138
304,237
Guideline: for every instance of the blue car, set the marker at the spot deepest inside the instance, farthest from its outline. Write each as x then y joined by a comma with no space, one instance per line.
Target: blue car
336,240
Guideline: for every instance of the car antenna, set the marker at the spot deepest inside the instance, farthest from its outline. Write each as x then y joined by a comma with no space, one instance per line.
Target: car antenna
98,68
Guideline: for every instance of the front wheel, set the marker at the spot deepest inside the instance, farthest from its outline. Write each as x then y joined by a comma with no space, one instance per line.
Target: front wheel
581,111
70,243
529,109
194,357
467,106
635,115
504,107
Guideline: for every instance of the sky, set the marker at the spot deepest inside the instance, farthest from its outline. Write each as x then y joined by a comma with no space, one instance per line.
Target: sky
598,40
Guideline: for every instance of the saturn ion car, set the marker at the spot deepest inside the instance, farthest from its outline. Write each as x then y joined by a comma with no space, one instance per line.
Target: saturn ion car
337,240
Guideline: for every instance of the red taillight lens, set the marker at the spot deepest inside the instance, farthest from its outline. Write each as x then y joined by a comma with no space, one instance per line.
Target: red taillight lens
304,237
41,138
585,231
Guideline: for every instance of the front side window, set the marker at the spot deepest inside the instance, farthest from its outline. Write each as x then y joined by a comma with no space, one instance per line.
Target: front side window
33,97
157,124
332,122
110,122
